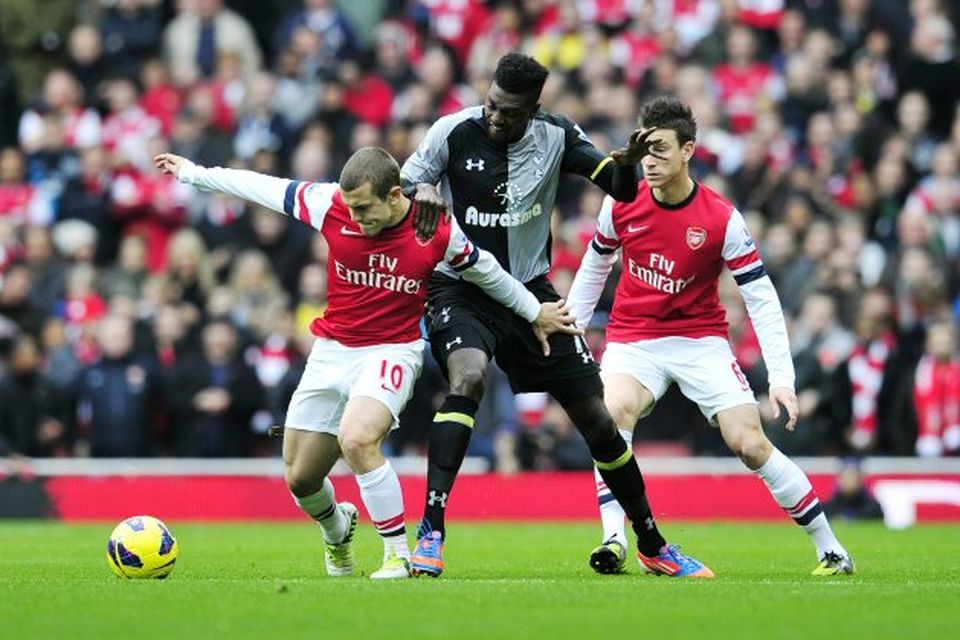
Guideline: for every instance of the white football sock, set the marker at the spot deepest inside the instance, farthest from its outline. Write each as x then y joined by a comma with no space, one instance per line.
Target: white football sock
322,507
381,493
792,490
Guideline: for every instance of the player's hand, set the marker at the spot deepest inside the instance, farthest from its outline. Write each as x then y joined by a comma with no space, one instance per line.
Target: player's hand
637,146
169,163
784,396
554,317
430,206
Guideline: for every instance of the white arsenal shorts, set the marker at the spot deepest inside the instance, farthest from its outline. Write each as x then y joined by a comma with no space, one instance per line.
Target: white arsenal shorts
335,373
703,368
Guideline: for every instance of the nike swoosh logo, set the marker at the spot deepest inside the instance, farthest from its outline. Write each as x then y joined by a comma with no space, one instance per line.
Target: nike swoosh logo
635,228
347,231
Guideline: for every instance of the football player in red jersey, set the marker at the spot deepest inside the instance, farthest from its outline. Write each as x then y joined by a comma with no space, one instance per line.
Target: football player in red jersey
368,351
668,326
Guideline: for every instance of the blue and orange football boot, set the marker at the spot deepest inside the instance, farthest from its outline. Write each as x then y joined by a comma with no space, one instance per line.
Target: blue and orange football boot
670,562
427,557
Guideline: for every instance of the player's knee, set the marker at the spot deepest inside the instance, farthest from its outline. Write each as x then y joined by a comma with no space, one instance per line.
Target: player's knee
624,413
301,481
468,379
594,422
357,445
753,448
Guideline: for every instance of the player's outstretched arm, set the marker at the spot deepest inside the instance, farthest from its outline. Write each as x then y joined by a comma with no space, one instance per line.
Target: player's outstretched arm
279,194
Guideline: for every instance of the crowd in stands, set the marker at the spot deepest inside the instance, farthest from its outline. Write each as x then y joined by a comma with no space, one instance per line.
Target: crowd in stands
139,317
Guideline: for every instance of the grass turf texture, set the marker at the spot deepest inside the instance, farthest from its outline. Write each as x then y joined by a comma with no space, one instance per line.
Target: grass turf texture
250,580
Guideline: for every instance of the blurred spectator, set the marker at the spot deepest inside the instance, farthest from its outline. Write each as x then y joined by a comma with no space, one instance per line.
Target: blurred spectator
286,245
129,274
34,35
931,67
743,82
61,107
46,271
456,23
936,393
258,298
128,129
868,390
34,414
62,365
170,336
311,297
260,125
21,201
117,395
16,306
131,32
160,98
86,59
852,499
335,39
202,30
214,395
86,197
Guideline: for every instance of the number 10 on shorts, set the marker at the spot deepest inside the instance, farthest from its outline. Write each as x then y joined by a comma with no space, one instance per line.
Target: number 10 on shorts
391,377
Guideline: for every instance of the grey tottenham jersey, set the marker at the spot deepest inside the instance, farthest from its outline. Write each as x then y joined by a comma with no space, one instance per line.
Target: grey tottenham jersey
503,195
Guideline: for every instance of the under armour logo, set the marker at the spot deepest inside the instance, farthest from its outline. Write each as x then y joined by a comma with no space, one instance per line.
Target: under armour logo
457,340
474,163
649,522
586,356
438,497
445,315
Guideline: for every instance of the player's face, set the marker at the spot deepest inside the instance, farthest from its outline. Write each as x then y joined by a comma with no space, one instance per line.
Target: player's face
507,114
373,214
664,143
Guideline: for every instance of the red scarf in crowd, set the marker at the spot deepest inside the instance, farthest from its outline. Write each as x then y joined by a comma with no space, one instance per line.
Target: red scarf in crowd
866,365
936,396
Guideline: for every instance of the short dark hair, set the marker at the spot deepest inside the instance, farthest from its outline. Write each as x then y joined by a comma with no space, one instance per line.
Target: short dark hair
667,112
374,165
520,74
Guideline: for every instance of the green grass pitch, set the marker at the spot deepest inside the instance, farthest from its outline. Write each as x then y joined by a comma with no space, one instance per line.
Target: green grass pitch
253,580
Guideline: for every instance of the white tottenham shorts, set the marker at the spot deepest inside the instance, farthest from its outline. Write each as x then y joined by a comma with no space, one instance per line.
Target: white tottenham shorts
335,373
704,368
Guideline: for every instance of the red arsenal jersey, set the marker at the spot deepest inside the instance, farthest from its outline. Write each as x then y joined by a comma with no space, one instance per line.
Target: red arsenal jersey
672,258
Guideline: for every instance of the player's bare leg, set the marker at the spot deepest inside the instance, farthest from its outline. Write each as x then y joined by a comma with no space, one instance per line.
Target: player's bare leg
364,425
788,484
308,457
449,437
626,400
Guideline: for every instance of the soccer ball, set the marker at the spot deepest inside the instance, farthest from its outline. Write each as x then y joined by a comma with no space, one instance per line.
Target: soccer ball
142,547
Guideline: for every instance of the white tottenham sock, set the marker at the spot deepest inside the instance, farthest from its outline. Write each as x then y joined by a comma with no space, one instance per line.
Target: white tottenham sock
322,507
612,515
792,490
381,493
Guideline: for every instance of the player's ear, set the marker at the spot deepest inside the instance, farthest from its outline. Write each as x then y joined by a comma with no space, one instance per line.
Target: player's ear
395,193
687,150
